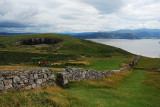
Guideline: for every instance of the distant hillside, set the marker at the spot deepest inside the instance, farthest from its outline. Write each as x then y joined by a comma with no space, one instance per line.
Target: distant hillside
142,33
106,35
3,36
119,34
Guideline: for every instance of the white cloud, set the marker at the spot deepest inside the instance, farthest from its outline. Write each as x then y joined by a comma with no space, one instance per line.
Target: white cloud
78,15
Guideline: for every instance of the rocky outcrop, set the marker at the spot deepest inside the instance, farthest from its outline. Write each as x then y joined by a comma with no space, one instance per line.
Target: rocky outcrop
77,74
25,79
36,41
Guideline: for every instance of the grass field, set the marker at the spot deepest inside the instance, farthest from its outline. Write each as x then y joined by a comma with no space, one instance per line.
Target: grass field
131,88
102,64
138,87
151,64
69,49
69,45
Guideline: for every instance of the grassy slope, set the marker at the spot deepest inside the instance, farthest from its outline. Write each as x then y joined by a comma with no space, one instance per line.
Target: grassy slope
70,45
123,89
131,88
151,64
2,36
102,64
131,92
71,49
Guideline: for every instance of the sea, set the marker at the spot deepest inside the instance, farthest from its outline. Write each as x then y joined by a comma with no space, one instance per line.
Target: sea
144,47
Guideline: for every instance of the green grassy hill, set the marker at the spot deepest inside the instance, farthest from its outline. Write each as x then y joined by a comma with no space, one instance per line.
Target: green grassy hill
137,87
69,48
132,88
68,45
2,36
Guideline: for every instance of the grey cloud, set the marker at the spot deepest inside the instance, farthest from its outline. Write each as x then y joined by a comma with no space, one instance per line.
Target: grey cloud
68,17
75,15
10,24
106,6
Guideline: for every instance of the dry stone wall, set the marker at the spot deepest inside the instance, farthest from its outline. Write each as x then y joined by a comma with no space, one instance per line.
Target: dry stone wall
33,78
25,78
77,74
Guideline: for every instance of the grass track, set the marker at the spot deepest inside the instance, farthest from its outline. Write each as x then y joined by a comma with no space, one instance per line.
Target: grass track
138,93
131,92
125,89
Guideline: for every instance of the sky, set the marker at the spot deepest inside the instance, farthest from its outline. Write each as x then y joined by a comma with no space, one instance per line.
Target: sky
74,16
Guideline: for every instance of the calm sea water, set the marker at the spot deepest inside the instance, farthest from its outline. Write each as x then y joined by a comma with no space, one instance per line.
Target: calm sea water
144,47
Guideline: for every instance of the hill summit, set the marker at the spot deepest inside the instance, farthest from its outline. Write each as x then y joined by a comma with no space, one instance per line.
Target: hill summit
39,43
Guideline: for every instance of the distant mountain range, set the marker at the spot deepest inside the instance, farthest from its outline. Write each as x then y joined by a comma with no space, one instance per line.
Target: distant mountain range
105,35
119,34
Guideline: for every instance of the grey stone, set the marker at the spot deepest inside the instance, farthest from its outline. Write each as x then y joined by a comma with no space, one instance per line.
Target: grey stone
22,76
16,79
1,78
40,76
51,83
25,81
8,86
45,76
44,80
31,76
7,82
34,85
35,75
21,82
43,70
51,77
39,81
1,85
31,81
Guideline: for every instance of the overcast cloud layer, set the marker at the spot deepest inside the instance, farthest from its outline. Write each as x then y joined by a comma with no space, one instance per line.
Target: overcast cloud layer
78,15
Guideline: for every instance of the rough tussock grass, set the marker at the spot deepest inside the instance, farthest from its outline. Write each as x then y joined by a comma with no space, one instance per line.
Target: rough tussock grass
111,80
17,67
150,64
120,89
42,97
57,96
153,79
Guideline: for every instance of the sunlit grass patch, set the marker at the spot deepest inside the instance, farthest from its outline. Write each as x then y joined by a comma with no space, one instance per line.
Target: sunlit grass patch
17,67
149,63
111,80
153,79
102,64
42,97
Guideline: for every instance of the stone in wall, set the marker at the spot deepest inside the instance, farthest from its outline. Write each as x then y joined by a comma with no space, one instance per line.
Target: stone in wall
25,78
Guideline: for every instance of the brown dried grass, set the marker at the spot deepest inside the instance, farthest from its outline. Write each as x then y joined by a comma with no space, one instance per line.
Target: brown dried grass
112,80
16,67
153,79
